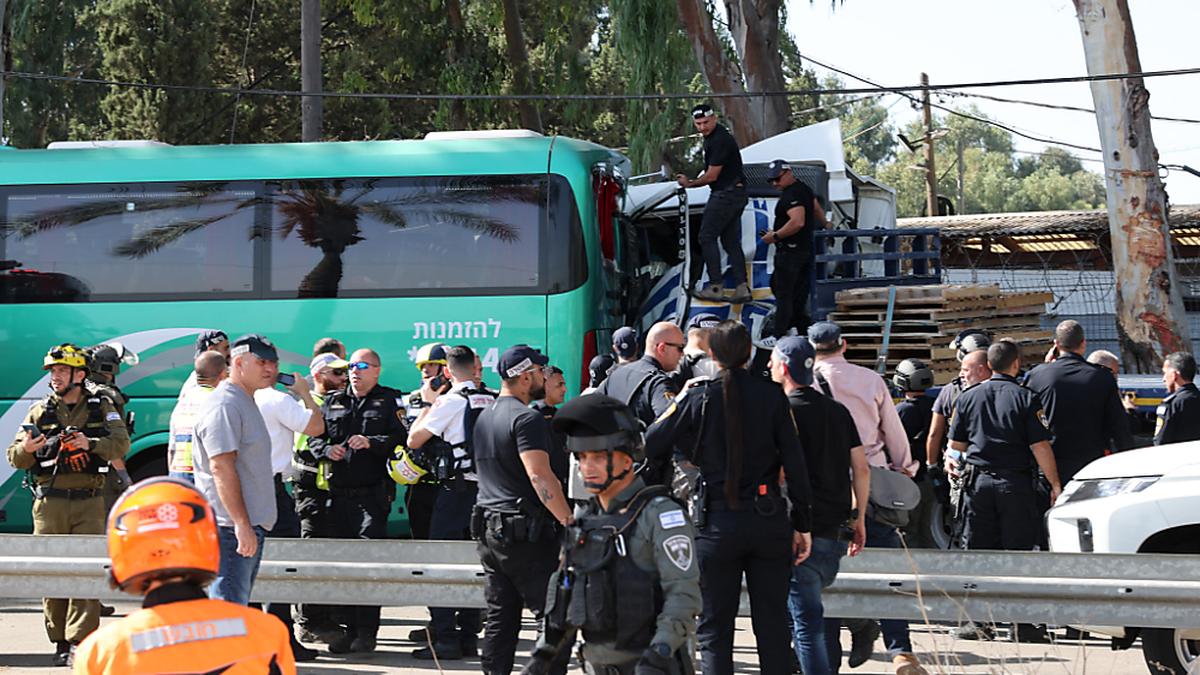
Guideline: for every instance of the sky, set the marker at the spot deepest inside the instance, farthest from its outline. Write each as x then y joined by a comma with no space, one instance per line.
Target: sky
883,41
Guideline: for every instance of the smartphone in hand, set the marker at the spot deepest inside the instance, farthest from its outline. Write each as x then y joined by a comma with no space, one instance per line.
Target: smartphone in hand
285,379
32,430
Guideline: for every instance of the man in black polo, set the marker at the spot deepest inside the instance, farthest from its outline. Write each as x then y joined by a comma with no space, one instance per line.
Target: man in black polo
521,507
1082,404
723,212
1179,412
798,214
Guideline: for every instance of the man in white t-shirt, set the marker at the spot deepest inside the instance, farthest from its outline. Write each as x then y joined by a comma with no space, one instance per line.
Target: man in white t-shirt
285,417
441,434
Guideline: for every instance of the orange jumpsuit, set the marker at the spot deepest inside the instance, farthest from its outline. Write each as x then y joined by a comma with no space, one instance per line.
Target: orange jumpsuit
180,630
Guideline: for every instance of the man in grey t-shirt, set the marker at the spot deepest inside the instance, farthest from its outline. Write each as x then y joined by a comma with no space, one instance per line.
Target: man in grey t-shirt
232,456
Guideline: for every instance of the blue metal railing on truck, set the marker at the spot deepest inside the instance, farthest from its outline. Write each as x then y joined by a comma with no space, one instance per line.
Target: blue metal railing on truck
834,272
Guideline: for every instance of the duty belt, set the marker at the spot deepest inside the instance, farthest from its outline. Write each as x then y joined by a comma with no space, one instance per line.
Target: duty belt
40,492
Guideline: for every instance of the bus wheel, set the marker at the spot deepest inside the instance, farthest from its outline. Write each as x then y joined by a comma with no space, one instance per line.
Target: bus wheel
147,463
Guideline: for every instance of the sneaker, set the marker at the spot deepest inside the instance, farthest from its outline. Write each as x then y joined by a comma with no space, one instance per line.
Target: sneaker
907,664
62,653
303,654
326,634
1070,633
449,651
342,645
742,293
362,645
1029,634
712,292
862,642
973,631
421,635
107,610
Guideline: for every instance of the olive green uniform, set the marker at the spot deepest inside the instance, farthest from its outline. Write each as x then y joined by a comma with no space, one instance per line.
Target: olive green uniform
663,545
114,484
75,504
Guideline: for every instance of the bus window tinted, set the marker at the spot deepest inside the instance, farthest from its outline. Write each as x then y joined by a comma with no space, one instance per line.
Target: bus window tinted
97,242
408,235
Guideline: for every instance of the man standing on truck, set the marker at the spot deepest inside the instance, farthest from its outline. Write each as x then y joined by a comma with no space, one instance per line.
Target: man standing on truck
797,215
723,212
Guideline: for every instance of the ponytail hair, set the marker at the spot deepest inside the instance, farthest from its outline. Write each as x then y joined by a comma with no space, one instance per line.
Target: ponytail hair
730,345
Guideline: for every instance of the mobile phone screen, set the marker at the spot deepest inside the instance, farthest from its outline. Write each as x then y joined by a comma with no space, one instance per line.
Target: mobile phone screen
32,430
285,379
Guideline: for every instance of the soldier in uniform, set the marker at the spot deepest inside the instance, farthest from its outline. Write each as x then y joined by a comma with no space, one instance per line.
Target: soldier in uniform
629,578
1179,412
363,425
1002,432
104,365
163,544
421,496
66,441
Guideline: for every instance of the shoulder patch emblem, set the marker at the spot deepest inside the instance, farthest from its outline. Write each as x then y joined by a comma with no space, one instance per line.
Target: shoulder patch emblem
113,416
679,551
668,412
672,519
1041,415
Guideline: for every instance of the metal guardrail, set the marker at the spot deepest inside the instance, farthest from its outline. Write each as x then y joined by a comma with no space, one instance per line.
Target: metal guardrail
1147,590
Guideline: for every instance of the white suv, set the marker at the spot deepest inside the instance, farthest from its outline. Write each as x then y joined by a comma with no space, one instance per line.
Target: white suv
1140,501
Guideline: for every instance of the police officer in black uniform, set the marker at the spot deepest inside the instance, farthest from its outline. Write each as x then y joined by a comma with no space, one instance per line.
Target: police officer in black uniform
1179,412
629,579
443,433
696,361
1000,428
520,509
798,214
363,425
1082,404
739,431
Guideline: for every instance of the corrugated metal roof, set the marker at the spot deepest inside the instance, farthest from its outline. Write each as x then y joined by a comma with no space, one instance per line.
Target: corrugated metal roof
1038,222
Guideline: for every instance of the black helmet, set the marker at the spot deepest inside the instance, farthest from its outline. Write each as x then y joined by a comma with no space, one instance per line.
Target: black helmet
970,340
106,358
913,375
599,423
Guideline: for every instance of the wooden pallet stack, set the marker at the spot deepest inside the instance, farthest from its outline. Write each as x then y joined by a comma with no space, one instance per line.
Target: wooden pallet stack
925,320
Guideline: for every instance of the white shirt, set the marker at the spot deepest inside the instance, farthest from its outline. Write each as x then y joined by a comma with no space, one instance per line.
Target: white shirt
445,418
285,417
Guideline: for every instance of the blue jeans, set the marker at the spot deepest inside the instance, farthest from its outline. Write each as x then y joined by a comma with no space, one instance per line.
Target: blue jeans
183,475
814,647
236,575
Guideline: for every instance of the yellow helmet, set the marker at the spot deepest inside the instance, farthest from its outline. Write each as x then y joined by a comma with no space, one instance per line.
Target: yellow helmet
434,352
65,354
406,468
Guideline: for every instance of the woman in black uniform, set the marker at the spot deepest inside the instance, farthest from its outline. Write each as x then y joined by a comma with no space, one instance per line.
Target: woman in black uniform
739,431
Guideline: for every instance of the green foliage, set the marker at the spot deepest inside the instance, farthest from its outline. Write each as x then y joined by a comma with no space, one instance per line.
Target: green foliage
995,178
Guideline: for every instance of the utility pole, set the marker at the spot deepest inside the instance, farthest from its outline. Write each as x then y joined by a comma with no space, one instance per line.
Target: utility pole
310,70
5,60
1151,322
961,184
931,206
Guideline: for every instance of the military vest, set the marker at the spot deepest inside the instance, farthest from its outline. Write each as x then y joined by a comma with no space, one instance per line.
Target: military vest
598,588
453,461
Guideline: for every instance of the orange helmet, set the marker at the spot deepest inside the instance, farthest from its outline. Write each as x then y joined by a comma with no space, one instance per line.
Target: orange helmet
162,527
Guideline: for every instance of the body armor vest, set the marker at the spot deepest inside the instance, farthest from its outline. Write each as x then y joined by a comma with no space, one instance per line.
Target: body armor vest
441,456
599,589
50,460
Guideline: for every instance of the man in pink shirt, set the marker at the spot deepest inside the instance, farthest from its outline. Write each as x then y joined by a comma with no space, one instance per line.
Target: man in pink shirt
866,395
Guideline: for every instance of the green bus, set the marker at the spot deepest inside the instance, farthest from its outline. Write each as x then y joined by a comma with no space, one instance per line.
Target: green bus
480,238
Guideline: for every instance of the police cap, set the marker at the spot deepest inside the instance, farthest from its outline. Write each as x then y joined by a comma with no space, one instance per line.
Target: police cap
596,423
625,342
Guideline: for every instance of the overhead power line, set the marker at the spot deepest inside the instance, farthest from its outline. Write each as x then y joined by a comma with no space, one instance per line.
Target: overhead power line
239,91
1053,106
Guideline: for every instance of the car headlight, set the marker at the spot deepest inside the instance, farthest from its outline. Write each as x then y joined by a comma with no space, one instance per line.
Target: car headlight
1080,490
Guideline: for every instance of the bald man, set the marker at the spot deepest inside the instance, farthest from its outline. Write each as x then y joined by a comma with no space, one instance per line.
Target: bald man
643,384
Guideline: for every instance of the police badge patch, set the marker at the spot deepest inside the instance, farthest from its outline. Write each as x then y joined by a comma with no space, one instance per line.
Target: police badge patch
679,550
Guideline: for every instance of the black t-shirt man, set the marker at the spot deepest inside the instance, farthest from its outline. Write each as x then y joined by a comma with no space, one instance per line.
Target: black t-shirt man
502,433
827,433
796,194
720,149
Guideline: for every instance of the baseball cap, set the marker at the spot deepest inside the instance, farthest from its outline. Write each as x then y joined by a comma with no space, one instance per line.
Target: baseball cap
703,320
600,366
703,110
323,361
255,344
625,341
518,359
206,339
824,333
777,168
798,354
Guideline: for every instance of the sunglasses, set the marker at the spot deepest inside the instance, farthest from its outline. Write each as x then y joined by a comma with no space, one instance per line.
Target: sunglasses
675,345
338,372
773,181
362,365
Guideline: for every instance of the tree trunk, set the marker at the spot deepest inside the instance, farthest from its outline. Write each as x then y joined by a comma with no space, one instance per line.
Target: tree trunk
518,57
455,56
311,107
754,25
1150,317
719,71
